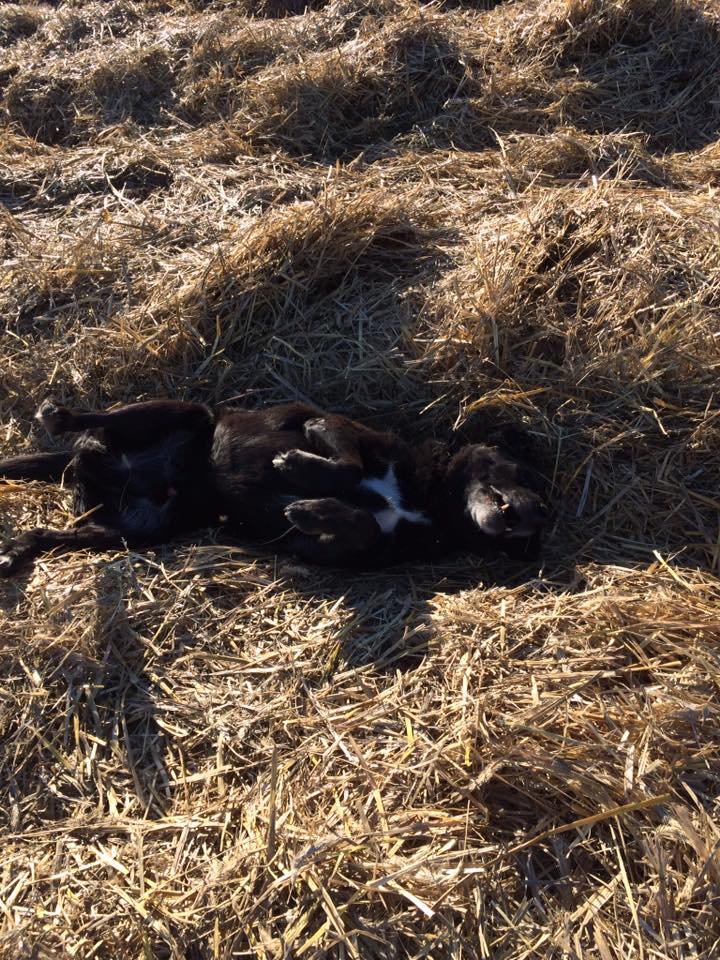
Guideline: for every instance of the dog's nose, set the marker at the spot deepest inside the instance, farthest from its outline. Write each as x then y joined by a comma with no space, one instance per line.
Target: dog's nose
522,512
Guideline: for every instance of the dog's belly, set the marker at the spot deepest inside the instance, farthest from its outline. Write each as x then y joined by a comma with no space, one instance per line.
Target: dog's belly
388,488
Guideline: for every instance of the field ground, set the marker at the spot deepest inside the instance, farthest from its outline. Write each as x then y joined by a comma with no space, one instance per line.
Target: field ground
446,215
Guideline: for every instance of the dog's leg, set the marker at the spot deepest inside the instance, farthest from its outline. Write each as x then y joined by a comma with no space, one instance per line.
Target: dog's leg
324,551
21,550
353,529
50,467
136,424
334,435
338,469
314,474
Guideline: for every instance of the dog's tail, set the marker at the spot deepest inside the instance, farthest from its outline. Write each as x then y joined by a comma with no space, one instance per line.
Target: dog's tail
51,467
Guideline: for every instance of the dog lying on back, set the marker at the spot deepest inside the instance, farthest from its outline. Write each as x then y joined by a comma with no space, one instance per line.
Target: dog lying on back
322,487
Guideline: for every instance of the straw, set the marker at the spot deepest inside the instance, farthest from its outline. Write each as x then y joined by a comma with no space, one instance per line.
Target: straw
438,218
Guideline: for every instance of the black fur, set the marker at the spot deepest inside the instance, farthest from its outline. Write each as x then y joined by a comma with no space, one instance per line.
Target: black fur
310,484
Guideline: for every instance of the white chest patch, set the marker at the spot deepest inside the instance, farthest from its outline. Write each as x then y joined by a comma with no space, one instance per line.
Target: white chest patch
387,487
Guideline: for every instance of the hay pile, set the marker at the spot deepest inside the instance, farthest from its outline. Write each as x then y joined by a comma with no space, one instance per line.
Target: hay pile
446,215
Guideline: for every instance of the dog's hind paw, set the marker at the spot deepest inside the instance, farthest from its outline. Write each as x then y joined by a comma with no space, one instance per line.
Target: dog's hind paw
281,460
14,554
54,418
302,514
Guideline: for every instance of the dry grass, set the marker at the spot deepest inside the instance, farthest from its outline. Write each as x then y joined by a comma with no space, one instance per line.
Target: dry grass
443,215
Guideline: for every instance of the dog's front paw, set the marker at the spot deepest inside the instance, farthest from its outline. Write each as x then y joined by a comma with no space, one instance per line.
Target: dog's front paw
290,462
316,429
54,418
280,462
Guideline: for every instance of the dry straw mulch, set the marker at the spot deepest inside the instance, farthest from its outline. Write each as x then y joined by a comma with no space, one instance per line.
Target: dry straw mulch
439,216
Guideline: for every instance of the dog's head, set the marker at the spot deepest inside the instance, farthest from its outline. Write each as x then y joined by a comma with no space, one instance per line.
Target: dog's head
493,498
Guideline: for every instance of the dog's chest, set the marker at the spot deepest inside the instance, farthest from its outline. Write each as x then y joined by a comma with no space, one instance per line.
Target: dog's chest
388,488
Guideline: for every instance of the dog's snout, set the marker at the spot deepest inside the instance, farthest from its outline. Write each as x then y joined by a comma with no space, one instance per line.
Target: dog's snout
485,508
525,518
520,512
512,517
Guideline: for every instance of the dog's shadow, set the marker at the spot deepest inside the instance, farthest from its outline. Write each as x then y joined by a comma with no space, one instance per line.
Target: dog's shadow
99,657
385,618
136,619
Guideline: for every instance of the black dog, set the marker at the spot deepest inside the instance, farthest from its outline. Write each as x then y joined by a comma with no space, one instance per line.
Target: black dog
323,487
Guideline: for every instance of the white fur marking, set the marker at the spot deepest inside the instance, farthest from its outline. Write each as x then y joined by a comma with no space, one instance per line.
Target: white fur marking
387,488
45,415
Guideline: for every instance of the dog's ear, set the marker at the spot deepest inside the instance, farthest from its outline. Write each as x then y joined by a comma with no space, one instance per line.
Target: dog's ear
513,440
474,428
517,442
485,426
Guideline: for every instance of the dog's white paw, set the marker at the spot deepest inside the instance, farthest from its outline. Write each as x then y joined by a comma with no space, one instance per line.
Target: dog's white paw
291,460
8,565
